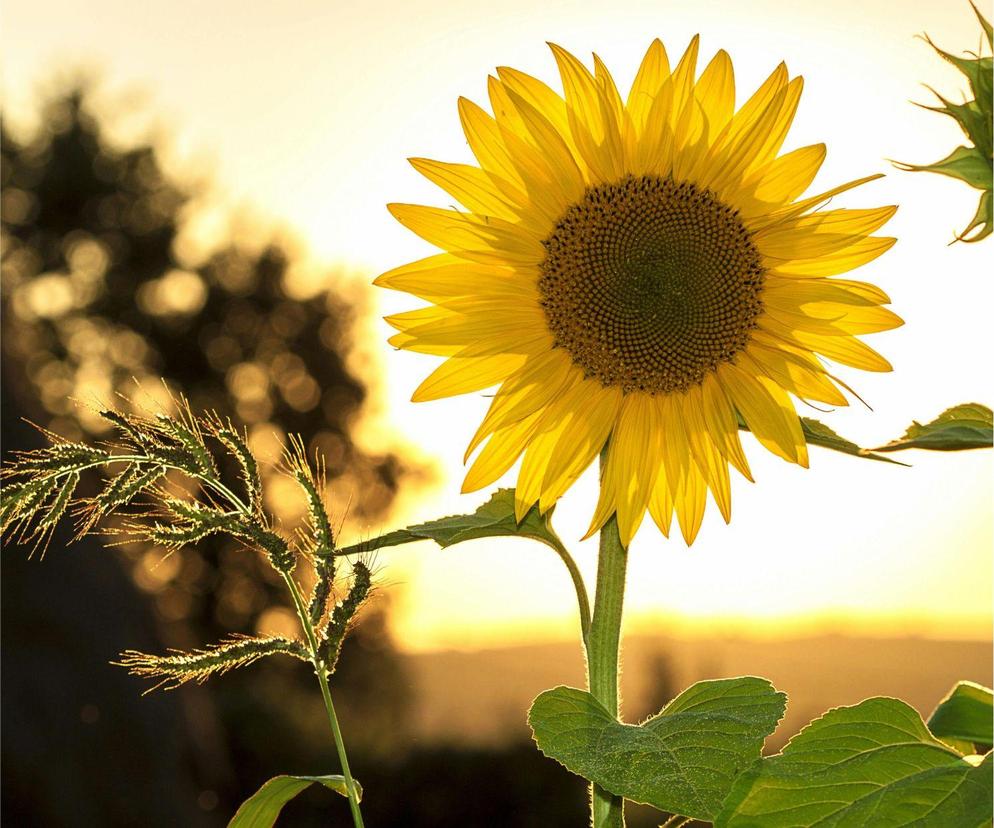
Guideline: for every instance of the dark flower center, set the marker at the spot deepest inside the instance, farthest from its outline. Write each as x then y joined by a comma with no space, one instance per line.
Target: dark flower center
650,284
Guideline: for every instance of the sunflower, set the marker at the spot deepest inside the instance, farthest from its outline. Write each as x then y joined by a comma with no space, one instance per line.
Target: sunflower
639,274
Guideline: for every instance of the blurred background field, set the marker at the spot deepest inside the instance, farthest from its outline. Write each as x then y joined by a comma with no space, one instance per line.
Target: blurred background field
202,202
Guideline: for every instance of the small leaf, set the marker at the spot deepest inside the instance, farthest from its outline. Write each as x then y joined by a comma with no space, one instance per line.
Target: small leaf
262,808
495,518
818,434
873,764
966,714
966,426
683,760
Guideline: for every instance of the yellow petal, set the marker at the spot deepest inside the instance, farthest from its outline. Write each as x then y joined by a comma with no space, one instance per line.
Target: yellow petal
777,134
543,379
528,486
765,408
595,412
691,498
653,150
728,162
633,461
792,211
499,454
475,189
784,179
540,96
653,72
843,291
710,462
675,449
715,90
461,375
595,130
487,144
723,425
753,109
661,503
805,379
562,165
839,261
512,331
491,242
609,88
819,234
843,349
683,79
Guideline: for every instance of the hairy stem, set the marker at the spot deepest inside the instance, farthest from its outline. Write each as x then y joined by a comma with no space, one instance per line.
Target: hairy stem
606,810
319,669
582,601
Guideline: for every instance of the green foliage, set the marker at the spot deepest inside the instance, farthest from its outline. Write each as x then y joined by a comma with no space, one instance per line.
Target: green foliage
965,426
40,489
495,518
817,433
971,164
262,808
965,715
684,760
873,764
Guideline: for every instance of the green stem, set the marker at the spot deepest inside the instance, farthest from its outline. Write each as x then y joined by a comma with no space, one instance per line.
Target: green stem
582,601
607,810
312,640
319,669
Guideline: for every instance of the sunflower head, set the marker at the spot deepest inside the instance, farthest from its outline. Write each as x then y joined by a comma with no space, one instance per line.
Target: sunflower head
641,274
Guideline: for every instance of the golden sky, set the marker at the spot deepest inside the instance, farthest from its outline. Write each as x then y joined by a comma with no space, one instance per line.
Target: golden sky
305,112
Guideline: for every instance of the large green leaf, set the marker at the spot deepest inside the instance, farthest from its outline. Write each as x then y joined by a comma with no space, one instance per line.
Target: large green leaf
682,760
494,518
873,764
966,426
262,808
966,714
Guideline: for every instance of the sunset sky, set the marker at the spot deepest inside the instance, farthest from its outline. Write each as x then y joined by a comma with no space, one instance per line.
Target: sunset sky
303,114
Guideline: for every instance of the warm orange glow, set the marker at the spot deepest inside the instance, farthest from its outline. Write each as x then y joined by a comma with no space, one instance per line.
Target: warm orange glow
341,95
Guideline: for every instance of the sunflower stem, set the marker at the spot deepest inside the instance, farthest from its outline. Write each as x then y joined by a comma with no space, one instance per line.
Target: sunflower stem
607,810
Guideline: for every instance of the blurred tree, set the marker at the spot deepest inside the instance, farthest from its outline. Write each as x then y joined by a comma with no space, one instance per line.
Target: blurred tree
100,299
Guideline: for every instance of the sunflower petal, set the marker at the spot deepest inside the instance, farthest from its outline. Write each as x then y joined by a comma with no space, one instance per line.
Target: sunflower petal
715,90
463,375
652,73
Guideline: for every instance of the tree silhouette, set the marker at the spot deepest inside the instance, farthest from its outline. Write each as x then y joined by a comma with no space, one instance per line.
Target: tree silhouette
97,295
